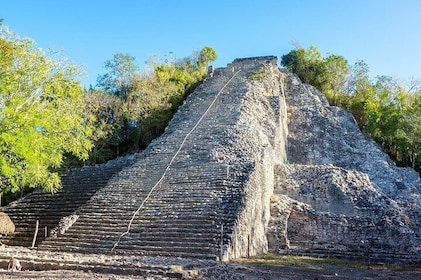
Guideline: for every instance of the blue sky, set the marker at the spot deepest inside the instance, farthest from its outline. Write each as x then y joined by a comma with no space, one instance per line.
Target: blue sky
385,34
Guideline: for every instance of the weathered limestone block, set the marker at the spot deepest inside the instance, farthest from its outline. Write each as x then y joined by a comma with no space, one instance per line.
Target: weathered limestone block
64,224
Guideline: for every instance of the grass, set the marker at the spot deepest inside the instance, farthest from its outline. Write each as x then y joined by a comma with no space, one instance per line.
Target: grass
317,263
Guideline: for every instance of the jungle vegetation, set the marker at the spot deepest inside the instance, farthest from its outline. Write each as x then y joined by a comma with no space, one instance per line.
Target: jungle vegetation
384,107
50,123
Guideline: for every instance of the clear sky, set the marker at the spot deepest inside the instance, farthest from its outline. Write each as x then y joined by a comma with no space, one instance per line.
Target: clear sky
386,34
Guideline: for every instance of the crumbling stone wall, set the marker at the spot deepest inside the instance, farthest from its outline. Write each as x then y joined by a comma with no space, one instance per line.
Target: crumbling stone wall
339,194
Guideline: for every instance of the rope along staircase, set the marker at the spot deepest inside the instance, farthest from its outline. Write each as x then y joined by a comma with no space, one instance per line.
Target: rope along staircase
180,216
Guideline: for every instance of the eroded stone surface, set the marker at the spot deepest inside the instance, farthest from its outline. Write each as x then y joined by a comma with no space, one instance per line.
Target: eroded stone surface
340,194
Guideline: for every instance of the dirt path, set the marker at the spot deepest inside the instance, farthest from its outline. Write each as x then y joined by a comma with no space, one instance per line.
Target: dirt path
269,267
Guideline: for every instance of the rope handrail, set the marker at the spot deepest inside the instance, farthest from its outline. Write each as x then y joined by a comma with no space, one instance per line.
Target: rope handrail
171,161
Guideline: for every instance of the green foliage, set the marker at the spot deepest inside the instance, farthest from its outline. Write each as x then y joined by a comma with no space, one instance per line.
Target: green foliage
335,79
383,108
118,78
136,113
206,55
308,65
42,115
259,75
328,75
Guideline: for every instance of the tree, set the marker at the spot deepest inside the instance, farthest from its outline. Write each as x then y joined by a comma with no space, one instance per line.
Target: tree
150,98
120,71
155,97
308,65
337,72
108,110
207,54
42,115
295,62
409,128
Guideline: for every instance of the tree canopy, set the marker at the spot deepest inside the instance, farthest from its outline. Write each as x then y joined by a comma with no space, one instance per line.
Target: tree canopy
42,115
136,106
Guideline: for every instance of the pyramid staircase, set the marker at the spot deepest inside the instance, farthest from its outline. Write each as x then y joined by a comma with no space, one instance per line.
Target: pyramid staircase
78,187
187,208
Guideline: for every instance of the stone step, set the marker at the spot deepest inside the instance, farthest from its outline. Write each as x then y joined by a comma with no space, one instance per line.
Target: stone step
31,221
152,217
87,234
134,251
174,187
155,229
149,210
134,248
21,242
204,238
172,250
157,202
141,220
127,241
38,213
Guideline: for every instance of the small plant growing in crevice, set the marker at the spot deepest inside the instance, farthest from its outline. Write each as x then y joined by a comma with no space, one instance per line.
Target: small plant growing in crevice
259,74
